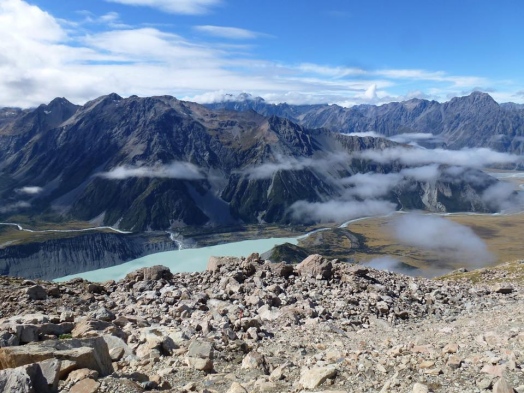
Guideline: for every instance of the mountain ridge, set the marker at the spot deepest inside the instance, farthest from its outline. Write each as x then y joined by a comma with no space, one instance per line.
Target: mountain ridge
476,120
156,163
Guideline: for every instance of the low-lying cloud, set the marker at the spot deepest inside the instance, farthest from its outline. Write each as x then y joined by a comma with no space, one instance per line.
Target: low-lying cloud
503,197
12,207
175,170
339,210
376,185
443,236
415,137
471,158
268,169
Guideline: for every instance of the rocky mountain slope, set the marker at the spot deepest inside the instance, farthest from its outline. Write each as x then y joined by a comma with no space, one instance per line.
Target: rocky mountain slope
61,257
246,325
471,121
156,163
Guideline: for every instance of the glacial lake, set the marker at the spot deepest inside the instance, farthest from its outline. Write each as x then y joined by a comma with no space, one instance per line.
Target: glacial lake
186,260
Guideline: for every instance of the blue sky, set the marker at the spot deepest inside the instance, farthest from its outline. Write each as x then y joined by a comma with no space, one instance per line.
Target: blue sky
334,51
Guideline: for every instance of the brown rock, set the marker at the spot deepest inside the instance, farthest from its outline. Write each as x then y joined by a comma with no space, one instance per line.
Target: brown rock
85,386
215,263
315,265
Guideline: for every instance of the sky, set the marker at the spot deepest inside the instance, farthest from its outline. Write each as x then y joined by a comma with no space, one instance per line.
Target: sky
343,52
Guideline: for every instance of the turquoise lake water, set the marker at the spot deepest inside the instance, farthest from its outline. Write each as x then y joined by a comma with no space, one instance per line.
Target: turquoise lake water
188,260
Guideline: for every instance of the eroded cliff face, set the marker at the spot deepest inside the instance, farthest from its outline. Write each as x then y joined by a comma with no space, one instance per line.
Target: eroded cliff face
61,257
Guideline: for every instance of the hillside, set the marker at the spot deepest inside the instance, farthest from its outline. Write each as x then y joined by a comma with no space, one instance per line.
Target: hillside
246,325
158,163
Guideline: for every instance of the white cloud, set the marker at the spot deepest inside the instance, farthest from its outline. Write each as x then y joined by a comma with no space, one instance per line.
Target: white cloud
415,137
175,170
228,32
502,196
319,164
174,6
42,57
31,190
338,210
372,185
12,207
443,236
471,158
365,134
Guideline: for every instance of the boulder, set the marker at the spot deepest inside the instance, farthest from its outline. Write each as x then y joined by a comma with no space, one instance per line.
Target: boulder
24,379
90,328
151,273
215,263
36,292
117,347
200,355
314,377
87,385
51,372
90,353
315,265
255,361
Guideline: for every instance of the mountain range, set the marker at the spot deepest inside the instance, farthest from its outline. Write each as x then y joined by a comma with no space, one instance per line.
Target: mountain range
158,163
476,120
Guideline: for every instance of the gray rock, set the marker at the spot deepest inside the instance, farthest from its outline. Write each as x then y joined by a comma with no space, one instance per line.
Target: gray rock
36,292
24,379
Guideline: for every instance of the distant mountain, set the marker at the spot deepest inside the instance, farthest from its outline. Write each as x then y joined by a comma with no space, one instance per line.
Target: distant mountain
471,121
158,163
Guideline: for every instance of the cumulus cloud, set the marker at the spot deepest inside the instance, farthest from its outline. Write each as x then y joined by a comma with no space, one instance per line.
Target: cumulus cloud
339,210
31,190
176,170
44,56
440,235
471,158
189,7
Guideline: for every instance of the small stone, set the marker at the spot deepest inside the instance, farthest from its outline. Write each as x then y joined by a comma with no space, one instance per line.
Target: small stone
503,289
426,364
454,362
450,348
236,388
420,388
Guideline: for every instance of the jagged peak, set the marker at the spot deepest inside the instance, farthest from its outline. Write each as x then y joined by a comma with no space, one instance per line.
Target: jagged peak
476,97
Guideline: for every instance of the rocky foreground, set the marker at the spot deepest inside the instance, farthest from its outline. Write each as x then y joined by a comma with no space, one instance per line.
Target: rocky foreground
245,325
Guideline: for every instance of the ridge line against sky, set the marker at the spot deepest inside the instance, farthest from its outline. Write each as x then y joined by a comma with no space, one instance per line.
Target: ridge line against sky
297,52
